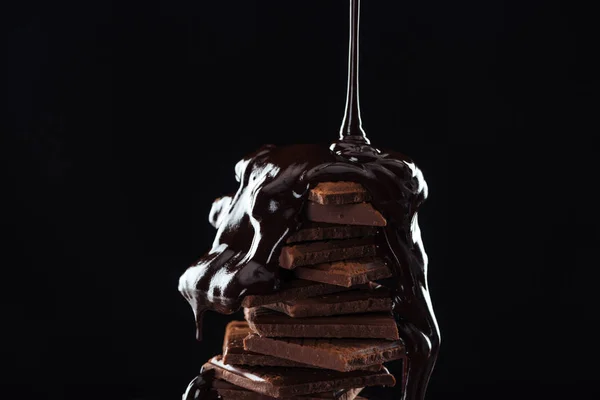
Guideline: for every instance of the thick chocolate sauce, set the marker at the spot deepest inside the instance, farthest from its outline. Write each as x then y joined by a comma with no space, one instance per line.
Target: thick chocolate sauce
253,224
199,389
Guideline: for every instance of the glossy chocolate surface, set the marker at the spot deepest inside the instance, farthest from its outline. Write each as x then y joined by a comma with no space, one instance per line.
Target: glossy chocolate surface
274,182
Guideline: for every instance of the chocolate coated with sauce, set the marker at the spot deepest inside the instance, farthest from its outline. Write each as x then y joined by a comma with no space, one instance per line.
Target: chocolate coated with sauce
274,186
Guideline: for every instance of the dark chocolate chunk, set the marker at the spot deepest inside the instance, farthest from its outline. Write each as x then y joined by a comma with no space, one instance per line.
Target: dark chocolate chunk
351,302
337,354
346,273
312,231
290,290
348,214
293,256
235,354
270,323
288,382
229,391
338,193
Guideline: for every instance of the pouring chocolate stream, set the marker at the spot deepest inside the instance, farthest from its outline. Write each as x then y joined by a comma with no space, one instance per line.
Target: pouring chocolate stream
253,224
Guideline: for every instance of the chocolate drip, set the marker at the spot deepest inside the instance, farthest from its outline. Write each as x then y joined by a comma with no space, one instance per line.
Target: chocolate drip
351,129
200,388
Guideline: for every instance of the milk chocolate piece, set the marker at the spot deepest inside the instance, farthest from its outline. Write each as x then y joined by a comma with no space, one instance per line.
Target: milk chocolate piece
338,193
228,391
293,256
346,273
290,290
337,354
235,354
351,302
270,323
288,382
349,214
312,231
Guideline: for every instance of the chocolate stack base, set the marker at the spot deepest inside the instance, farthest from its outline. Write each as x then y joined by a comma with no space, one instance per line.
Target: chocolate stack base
328,332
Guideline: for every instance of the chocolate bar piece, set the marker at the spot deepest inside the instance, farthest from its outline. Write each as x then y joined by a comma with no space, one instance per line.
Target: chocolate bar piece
351,302
337,354
288,382
312,231
295,289
270,323
235,354
228,391
293,256
346,273
349,214
338,193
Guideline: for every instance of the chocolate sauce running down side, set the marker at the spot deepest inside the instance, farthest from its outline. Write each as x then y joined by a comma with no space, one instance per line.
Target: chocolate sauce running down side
252,226
200,389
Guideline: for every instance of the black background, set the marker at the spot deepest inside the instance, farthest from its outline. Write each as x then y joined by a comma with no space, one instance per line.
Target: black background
124,121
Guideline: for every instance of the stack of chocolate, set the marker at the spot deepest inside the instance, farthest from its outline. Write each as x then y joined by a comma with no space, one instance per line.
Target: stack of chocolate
328,331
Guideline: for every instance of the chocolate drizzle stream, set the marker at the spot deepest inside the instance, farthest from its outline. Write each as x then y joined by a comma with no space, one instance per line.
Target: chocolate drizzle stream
351,129
252,226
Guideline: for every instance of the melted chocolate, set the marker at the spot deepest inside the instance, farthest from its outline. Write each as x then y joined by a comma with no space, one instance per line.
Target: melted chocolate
200,388
253,224
352,123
